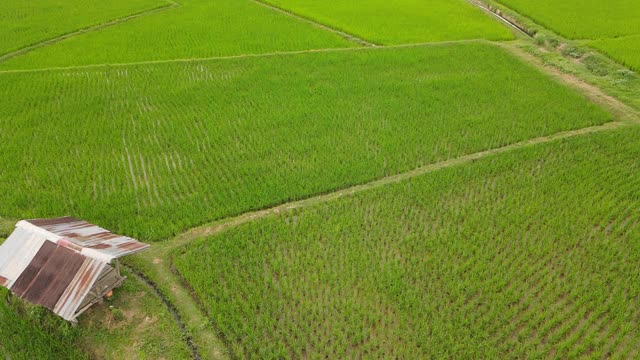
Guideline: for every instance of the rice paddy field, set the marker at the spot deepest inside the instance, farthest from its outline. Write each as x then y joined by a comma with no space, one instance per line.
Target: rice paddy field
195,29
153,150
338,180
626,50
582,19
533,254
609,26
401,22
24,23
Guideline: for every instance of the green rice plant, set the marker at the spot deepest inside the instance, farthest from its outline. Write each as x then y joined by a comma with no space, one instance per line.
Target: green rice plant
528,254
582,19
156,149
403,21
30,332
625,50
195,29
24,23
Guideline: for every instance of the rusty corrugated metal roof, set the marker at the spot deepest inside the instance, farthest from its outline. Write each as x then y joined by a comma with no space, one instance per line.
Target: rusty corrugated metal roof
79,287
95,241
52,277
57,277
17,252
56,262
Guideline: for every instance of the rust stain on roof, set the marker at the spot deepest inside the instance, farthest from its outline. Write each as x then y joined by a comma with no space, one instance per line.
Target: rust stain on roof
56,262
25,279
79,287
90,236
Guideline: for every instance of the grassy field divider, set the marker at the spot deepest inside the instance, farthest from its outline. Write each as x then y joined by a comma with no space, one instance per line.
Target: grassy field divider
221,225
157,266
156,270
243,56
576,57
170,4
176,315
621,111
341,33
497,14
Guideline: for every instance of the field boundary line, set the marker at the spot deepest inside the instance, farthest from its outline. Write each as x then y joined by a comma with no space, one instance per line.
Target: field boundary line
341,33
499,16
245,56
622,111
170,4
222,224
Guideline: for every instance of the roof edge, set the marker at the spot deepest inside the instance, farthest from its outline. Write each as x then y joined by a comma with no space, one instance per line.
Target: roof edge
25,224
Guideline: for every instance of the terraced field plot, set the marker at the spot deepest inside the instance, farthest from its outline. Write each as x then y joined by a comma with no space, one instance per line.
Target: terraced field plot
153,150
625,50
582,19
530,254
611,26
23,23
403,21
196,29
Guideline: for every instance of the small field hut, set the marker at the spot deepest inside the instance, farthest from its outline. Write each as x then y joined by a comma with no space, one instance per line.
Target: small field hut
64,264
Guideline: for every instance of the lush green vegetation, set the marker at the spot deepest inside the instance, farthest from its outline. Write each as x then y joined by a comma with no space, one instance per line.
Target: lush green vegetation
403,21
625,50
530,254
610,26
134,324
30,332
152,150
24,23
196,29
582,19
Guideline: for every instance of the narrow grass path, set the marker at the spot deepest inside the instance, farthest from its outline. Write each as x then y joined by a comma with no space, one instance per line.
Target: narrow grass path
169,5
172,310
257,55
